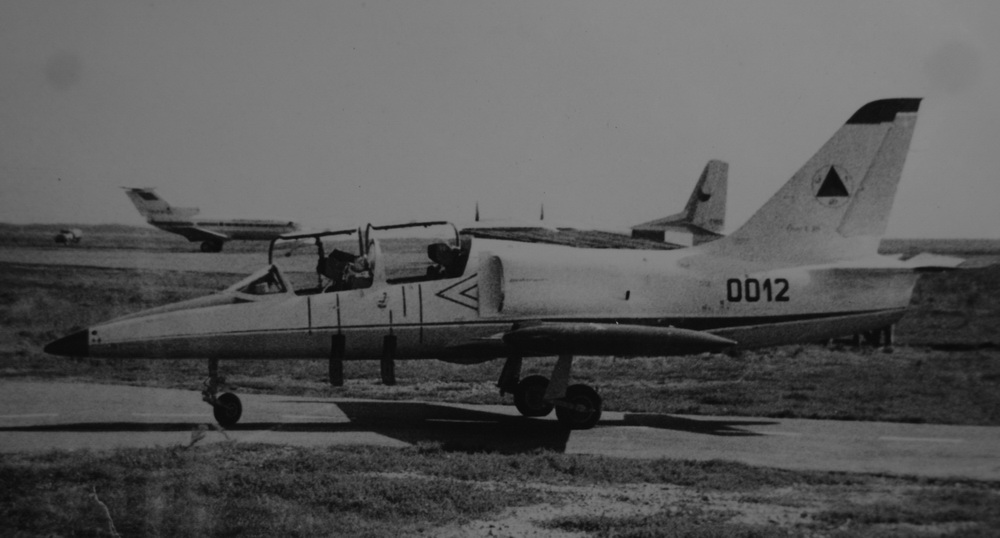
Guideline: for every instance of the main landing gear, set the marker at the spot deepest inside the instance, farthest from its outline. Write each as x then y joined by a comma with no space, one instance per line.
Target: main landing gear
226,407
578,407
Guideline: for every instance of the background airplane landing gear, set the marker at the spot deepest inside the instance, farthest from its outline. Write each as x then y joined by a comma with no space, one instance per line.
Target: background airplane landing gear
529,396
211,246
580,409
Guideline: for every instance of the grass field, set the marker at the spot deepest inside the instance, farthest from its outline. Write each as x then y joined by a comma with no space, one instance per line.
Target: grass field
944,369
256,490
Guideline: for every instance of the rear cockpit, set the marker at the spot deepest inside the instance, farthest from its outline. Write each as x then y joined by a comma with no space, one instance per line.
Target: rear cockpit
339,260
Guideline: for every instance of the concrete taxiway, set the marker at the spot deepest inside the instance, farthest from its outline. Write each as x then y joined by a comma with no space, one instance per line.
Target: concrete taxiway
38,416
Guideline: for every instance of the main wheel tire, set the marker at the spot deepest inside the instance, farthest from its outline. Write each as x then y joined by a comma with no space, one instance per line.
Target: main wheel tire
586,410
211,246
228,409
529,397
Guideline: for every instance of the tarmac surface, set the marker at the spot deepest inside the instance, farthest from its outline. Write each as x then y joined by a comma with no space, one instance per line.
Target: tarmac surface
41,416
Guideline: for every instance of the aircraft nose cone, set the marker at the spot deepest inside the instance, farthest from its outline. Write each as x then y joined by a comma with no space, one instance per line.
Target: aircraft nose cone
74,345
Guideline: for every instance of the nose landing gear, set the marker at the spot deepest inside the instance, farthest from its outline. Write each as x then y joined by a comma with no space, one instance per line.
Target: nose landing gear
226,407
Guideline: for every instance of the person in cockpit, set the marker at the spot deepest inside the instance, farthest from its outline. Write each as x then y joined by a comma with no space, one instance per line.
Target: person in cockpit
445,260
358,273
334,267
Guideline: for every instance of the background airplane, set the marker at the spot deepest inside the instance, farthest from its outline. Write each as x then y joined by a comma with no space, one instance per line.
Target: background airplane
703,219
211,232
804,268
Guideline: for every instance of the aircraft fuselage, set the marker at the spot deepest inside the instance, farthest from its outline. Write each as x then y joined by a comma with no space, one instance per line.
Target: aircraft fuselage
240,229
505,285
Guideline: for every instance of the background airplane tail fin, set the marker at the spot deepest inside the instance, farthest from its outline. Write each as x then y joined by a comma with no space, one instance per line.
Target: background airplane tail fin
706,208
704,215
150,205
837,205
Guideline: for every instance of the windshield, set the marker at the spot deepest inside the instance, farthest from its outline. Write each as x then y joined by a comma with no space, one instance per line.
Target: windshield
267,281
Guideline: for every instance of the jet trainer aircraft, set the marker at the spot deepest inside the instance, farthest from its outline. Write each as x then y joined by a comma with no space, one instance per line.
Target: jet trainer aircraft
804,268
211,232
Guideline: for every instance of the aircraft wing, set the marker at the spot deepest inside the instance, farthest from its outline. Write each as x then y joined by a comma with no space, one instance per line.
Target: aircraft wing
195,233
580,338
921,263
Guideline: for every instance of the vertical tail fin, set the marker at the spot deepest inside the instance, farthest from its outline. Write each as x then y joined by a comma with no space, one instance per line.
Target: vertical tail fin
706,208
151,206
837,205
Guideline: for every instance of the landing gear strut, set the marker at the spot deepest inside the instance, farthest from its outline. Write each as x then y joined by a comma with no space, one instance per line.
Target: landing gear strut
577,407
226,407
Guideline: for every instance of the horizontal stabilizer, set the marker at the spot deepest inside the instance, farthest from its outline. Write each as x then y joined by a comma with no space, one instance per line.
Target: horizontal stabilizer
569,338
929,263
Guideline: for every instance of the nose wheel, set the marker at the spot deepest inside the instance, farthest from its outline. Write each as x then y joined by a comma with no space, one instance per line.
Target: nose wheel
227,409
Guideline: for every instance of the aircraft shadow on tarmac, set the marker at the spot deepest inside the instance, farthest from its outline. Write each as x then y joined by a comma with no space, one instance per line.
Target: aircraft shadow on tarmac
453,428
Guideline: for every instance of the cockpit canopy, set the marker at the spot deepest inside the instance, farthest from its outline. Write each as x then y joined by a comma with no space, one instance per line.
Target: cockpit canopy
337,260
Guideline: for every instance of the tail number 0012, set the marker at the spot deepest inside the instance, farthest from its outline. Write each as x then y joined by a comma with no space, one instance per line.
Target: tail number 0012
753,290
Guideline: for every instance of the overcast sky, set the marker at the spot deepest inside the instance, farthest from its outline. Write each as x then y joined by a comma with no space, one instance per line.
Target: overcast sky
338,113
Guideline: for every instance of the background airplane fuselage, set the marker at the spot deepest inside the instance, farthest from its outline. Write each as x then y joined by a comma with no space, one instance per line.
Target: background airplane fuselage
459,318
240,229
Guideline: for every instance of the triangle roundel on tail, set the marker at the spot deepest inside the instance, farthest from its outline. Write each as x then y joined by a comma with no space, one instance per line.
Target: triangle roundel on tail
836,206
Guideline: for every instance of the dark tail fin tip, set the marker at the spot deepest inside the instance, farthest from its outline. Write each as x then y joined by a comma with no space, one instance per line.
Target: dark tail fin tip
884,110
